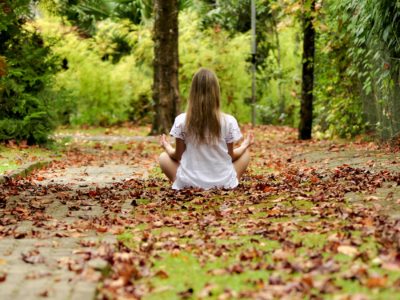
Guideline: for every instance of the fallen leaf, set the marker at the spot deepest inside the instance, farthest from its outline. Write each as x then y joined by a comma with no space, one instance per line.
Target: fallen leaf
3,276
162,274
377,282
348,250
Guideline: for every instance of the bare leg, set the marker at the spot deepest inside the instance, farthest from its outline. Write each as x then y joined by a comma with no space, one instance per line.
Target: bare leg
241,163
168,166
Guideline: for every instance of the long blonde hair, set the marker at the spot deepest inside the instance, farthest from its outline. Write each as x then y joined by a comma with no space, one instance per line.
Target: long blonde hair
203,116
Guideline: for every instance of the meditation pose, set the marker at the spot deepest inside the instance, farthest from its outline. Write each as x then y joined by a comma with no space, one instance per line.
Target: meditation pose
204,156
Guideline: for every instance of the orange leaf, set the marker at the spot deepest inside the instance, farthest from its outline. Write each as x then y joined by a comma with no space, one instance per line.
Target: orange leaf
267,189
376,282
101,229
162,274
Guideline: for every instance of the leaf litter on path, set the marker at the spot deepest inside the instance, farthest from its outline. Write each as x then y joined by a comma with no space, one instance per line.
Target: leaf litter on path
286,231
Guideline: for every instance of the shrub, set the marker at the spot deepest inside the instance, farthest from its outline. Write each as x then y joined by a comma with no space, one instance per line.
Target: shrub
94,90
26,66
101,85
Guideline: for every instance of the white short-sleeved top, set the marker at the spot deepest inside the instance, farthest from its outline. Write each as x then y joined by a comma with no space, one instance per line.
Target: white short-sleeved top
206,166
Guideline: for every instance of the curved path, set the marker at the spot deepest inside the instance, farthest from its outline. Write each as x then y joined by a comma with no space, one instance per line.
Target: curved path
53,219
59,227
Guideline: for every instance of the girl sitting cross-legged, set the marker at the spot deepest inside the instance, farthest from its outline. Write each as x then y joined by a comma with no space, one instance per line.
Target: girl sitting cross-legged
204,156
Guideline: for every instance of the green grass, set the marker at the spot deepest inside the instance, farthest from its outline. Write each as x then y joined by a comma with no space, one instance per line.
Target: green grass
156,172
13,158
186,272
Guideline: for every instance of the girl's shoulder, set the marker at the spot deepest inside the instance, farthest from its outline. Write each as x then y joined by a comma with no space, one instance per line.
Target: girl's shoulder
229,119
231,129
178,128
180,118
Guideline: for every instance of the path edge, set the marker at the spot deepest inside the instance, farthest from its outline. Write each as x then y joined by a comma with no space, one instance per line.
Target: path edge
25,170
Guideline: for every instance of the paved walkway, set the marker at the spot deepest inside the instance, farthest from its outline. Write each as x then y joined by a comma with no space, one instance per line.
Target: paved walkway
386,198
105,138
55,221
38,256
55,224
91,176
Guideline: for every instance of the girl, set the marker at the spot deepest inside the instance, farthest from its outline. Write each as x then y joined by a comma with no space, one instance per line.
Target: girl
204,156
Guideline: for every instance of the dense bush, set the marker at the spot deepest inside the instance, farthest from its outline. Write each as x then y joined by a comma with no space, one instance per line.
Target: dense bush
373,29
105,49
90,92
278,56
357,68
26,66
215,49
338,107
102,86
94,90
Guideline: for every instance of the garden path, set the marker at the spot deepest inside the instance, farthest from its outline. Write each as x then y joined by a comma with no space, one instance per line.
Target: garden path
96,221
58,214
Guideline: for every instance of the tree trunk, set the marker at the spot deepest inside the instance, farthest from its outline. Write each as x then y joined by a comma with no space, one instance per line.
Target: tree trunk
306,109
395,116
281,96
166,61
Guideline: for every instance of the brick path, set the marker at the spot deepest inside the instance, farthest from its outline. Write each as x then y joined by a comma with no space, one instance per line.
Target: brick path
40,258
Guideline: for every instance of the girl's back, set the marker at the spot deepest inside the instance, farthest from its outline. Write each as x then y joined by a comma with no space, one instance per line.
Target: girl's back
204,156
206,165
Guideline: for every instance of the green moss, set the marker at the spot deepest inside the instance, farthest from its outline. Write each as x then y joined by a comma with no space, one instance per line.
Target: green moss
13,158
185,272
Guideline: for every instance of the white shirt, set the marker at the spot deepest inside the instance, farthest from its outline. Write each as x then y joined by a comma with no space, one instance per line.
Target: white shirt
206,166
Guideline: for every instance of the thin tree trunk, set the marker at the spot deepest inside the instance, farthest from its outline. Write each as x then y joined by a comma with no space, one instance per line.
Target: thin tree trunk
166,61
281,97
306,109
395,116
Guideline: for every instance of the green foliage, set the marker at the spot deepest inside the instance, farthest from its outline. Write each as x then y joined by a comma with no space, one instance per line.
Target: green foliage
115,40
27,69
103,87
232,15
279,79
93,89
361,50
338,107
136,11
277,59
213,49
85,14
357,60
204,41
82,13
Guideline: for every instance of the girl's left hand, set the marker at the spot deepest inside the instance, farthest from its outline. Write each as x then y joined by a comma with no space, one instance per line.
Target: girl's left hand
248,141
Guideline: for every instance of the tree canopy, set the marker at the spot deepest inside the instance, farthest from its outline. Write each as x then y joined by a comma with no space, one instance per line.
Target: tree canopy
91,62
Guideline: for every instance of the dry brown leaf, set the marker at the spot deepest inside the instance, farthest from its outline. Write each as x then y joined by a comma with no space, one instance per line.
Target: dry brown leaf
377,282
348,250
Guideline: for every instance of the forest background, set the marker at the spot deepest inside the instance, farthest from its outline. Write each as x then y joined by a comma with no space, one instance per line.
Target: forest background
90,62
